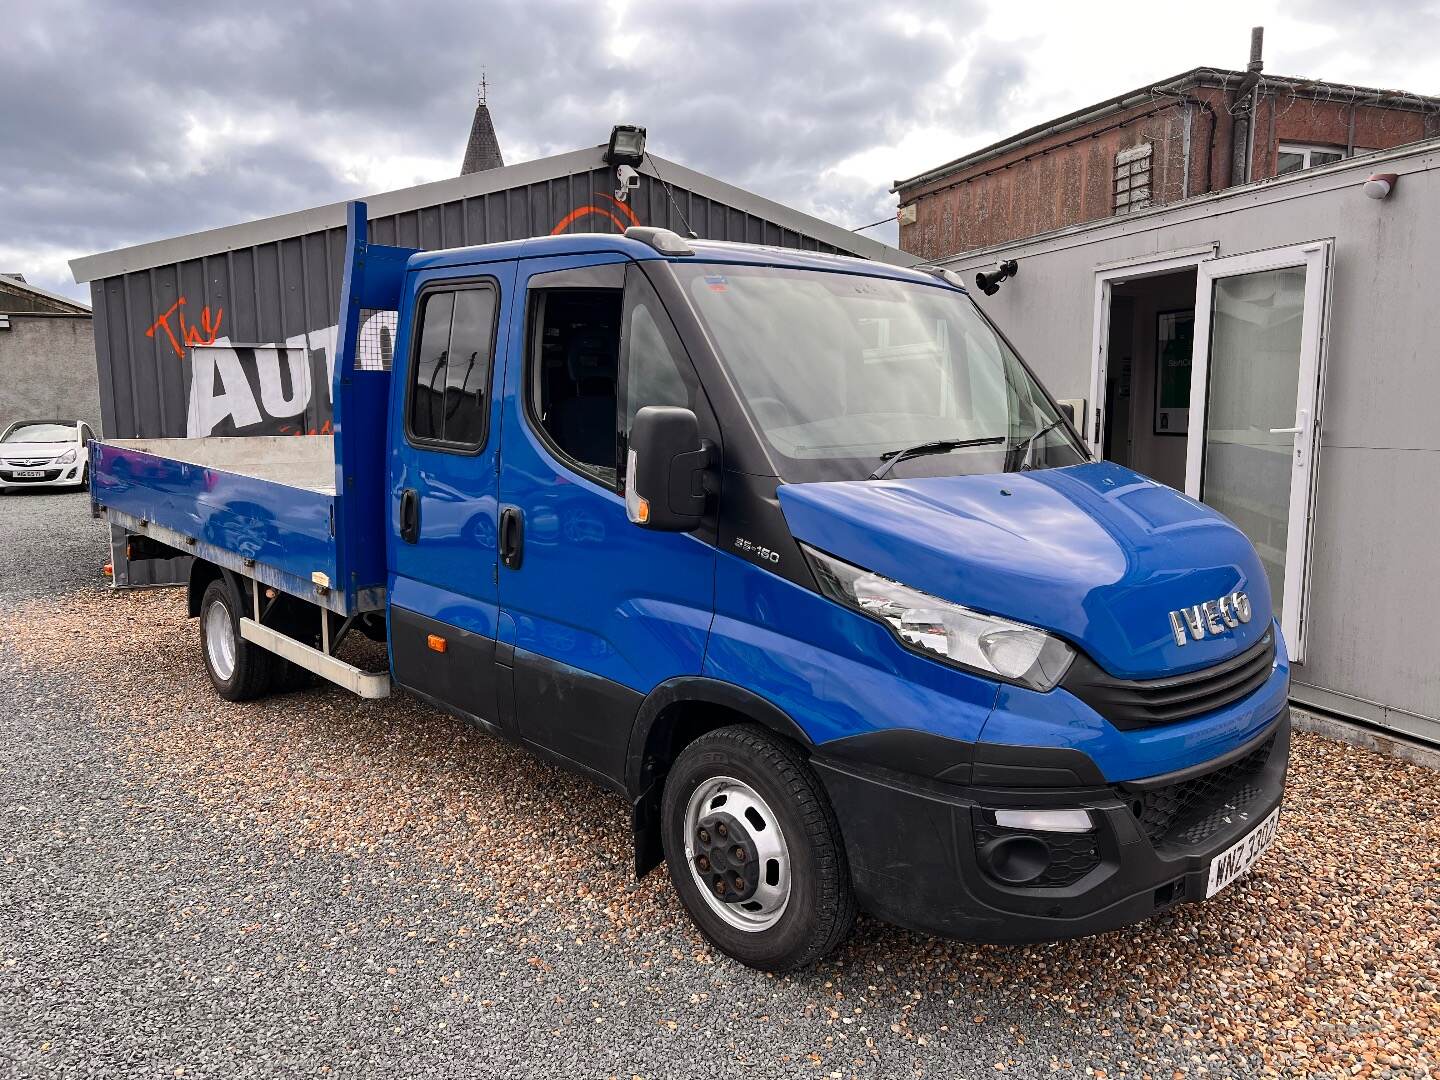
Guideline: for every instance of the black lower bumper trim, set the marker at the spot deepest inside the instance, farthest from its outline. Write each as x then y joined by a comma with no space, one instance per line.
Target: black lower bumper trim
912,847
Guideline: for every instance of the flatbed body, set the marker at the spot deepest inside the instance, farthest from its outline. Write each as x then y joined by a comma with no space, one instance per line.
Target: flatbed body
264,507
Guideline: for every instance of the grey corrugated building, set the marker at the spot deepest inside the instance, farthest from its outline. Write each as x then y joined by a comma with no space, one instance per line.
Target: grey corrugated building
47,355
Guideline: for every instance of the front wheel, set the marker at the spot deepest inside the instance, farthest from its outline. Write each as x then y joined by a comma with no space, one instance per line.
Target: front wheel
240,669
754,849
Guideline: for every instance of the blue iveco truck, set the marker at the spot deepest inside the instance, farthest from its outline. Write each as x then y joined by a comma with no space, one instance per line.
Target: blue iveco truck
791,549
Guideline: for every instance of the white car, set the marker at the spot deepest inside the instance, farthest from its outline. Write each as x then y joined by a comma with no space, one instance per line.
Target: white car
44,454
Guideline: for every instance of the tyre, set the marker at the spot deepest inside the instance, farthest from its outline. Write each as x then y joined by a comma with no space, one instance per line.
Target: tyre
754,849
240,670
85,479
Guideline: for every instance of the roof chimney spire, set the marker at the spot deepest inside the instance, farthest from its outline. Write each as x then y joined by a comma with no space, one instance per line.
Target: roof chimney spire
483,150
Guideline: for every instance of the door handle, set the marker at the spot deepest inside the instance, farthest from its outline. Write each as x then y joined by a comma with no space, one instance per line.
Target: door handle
1300,419
512,537
410,515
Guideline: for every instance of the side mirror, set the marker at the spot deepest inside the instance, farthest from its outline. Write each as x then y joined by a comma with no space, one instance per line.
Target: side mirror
1068,408
665,469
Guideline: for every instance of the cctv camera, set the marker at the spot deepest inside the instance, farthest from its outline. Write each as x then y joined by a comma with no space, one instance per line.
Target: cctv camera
628,180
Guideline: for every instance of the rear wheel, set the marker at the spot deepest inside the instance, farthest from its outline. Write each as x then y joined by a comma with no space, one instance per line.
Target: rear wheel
754,849
240,670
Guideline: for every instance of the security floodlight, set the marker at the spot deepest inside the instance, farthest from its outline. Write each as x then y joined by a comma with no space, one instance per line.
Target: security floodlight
627,145
990,283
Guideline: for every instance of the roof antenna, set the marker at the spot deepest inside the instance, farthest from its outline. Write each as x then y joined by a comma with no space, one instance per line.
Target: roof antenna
482,87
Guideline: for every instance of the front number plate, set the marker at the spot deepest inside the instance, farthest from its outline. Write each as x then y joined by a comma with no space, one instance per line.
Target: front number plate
1239,857
29,472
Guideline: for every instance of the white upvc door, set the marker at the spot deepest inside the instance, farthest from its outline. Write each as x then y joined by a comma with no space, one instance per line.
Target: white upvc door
1255,395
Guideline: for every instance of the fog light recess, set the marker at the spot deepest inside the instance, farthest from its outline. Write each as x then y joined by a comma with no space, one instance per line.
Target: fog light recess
1017,859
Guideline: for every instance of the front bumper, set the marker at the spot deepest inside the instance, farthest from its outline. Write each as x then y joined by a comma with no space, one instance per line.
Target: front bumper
51,476
915,860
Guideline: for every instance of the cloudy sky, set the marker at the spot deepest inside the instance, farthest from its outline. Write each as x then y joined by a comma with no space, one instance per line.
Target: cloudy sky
126,121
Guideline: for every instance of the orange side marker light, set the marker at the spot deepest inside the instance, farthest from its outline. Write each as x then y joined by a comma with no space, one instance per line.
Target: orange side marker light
436,643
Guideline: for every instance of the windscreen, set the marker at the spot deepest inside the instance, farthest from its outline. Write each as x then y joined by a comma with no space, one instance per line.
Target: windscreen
843,373
40,433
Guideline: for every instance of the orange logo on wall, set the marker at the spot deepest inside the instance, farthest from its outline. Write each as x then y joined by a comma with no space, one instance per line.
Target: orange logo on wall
190,334
622,221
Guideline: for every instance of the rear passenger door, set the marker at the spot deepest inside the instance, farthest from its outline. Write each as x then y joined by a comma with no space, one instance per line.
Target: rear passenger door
443,488
595,611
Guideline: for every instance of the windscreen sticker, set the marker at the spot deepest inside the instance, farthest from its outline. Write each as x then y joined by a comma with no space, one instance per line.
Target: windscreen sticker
716,282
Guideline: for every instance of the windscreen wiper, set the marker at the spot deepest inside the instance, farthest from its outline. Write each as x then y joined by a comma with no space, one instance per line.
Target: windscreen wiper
891,458
1026,463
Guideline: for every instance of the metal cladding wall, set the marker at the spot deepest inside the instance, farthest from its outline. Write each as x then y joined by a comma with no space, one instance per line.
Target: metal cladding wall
268,310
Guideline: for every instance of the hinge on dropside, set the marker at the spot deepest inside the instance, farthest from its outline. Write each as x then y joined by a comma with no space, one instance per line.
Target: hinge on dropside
332,521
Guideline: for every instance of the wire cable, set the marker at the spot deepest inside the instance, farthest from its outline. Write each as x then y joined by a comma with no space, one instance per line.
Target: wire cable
671,196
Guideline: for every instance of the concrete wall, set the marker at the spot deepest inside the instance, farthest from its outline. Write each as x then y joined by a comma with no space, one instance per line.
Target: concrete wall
47,369
1373,589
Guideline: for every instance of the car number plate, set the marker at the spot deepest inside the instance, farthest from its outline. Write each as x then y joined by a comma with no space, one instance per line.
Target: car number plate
1235,860
29,472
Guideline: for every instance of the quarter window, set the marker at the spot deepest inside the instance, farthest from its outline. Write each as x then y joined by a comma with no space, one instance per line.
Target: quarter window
657,371
450,378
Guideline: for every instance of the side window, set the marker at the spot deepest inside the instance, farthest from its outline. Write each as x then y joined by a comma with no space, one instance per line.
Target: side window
450,375
657,370
574,366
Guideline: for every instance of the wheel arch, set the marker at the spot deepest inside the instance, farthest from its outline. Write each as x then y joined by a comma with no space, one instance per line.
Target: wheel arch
673,715
201,574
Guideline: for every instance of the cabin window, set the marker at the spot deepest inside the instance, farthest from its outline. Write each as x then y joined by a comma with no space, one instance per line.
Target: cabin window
450,375
574,366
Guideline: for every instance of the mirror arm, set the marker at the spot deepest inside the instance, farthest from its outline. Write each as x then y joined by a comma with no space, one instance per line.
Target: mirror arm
683,497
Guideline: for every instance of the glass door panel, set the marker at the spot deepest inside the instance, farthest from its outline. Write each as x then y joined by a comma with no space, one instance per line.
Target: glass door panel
1255,334
1254,395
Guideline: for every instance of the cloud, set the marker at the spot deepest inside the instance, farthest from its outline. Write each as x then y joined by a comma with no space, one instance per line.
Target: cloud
129,121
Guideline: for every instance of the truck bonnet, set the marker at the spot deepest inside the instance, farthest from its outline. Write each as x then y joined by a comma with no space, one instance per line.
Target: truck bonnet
1093,553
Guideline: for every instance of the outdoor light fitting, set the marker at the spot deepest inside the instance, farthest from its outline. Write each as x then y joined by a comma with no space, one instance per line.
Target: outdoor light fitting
1380,185
989,283
627,145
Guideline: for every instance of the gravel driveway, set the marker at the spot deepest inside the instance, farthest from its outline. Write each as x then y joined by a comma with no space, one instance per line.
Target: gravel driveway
317,885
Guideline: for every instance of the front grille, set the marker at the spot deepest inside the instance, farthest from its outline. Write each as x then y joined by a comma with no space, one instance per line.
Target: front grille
48,474
1137,703
1190,812
26,463
1072,855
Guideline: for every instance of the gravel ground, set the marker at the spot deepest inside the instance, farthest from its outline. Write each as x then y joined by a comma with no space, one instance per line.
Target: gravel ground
314,884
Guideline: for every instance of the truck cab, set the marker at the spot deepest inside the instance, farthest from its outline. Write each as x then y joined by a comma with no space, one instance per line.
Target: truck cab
794,552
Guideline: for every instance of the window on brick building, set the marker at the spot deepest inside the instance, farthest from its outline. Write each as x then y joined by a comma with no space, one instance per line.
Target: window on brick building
1132,178
1292,157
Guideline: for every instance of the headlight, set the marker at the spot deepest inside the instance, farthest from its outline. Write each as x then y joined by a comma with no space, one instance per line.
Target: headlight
65,458
944,631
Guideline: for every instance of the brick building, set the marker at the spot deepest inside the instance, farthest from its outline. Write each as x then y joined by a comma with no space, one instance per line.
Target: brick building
1201,131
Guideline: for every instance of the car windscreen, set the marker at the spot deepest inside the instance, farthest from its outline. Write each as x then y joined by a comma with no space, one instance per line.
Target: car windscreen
843,372
40,432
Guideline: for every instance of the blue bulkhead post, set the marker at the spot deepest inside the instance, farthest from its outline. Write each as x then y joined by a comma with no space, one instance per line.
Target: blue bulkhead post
374,279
